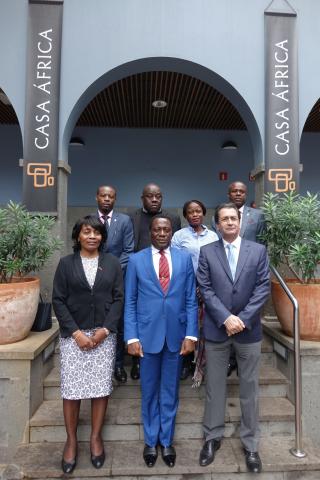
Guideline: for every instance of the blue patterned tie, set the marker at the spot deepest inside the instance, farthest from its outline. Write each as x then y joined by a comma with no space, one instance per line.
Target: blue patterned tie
231,259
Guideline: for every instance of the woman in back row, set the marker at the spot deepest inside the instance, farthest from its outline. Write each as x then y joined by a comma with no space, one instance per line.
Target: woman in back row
192,238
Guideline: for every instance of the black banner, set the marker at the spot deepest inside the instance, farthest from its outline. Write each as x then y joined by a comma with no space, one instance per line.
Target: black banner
281,97
42,105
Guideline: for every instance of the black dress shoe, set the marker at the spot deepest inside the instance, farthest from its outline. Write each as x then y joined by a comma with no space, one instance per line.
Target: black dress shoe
208,451
231,368
98,460
253,461
150,455
120,374
135,371
68,467
168,455
185,372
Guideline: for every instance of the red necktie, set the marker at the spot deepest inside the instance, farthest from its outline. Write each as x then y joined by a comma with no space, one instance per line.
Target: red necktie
164,273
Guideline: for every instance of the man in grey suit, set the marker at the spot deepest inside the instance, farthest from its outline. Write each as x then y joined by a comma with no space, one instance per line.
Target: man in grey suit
120,243
233,277
252,224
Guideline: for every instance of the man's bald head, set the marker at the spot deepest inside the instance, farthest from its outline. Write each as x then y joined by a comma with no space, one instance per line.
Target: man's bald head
151,198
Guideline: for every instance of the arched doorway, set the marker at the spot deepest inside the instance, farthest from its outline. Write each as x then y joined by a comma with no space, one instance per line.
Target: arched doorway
123,140
309,151
11,152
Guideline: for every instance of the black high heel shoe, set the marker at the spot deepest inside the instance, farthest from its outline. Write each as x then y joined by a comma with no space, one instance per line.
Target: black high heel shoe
98,460
68,467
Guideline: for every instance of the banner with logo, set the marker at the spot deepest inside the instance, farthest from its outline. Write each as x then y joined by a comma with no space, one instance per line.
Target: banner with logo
281,99
40,162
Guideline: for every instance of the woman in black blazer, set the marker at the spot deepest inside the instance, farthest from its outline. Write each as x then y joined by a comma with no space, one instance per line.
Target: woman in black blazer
88,302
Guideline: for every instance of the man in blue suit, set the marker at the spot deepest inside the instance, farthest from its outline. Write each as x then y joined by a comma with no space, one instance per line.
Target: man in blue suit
233,277
160,327
120,243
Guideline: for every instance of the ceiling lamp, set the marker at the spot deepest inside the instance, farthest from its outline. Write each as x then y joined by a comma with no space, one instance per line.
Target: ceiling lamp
229,145
159,104
76,142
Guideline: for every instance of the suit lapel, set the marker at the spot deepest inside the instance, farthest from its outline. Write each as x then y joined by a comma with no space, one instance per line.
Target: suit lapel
221,254
148,262
176,266
136,227
245,218
243,255
100,271
113,226
79,271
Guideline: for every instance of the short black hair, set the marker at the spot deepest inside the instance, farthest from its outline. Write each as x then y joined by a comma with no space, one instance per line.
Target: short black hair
106,186
225,205
186,205
93,222
159,215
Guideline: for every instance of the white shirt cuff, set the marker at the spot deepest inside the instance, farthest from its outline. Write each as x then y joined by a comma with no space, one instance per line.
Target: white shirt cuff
132,340
189,337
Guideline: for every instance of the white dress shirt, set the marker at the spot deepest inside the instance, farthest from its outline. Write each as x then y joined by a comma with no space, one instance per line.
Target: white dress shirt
102,217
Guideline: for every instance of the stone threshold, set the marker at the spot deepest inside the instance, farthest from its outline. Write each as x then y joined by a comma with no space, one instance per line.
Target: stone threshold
125,459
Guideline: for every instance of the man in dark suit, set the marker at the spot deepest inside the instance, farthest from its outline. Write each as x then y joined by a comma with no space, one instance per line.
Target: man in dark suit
233,277
151,205
120,243
160,326
252,224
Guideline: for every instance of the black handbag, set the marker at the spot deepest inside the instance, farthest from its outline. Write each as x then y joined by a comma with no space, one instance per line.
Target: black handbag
43,320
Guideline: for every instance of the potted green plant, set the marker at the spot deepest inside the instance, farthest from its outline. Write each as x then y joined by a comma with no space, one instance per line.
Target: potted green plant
293,238
26,243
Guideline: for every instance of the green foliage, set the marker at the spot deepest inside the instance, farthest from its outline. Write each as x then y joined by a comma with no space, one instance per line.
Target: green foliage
293,232
26,241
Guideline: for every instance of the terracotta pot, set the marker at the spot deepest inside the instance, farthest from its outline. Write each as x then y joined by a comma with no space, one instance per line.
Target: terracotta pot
18,307
308,296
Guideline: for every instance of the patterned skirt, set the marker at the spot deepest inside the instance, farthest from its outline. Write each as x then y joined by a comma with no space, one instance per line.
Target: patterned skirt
87,374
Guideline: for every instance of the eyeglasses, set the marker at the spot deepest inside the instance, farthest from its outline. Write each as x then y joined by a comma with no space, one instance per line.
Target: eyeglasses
228,219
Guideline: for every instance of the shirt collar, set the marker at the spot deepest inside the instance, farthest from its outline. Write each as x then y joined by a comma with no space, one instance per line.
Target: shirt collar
236,242
241,209
156,250
148,213
204,232
103,214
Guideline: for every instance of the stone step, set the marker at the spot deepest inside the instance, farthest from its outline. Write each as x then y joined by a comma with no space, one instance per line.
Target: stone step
124,462
123,419
272,384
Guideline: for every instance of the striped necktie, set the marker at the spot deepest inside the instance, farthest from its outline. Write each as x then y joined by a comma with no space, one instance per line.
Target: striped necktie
231,259
164,272
106,221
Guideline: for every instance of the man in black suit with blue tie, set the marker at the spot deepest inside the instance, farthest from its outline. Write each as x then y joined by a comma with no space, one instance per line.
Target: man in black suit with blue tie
252,224
120,243
233,277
